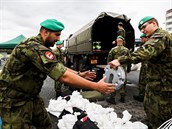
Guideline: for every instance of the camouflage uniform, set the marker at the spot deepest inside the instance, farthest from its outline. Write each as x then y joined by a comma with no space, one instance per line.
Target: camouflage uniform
21,81
142,82
58,85
121,32
142,78
158,93
114,53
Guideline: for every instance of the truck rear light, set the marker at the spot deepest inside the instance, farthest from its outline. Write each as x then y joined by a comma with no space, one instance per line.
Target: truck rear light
93,61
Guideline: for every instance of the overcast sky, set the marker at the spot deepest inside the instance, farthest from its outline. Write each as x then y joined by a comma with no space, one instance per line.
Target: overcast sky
24,16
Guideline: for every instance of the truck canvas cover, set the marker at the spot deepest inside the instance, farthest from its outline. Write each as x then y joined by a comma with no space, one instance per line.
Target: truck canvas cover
100,30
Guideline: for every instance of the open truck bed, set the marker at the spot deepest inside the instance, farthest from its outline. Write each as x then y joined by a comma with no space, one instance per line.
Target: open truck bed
100,31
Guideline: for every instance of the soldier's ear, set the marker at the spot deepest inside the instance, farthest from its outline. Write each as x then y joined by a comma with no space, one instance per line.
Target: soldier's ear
45,32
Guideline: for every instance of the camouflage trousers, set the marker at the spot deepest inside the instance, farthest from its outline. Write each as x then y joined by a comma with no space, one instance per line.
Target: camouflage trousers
60,88
158,108
32,113
142,80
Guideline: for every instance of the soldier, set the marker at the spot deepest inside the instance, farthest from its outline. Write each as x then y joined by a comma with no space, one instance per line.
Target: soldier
23,75
114,53
58,51
60,56
121,30
157,51
142,76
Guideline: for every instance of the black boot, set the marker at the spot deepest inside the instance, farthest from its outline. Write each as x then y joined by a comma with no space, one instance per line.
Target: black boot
111,100
58,93
139,98
122,99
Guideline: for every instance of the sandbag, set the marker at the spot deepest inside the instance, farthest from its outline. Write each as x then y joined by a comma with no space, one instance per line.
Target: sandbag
93,95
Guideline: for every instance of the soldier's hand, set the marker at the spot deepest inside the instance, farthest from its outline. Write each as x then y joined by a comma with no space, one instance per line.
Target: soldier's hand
105,88
115,63
89,75
114,42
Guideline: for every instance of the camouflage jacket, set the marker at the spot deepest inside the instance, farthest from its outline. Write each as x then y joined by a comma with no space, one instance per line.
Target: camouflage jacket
121,32
118,51
143,74
24,72
157,51
59,54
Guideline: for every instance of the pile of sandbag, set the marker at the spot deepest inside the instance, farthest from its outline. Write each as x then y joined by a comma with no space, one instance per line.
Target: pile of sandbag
75,112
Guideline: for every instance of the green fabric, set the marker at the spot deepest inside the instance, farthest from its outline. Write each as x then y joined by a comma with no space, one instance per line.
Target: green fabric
59,42
13,42
142,78
26,115
142,35
52,24
120,37
93,95
116,52
1,55
144,20
59,54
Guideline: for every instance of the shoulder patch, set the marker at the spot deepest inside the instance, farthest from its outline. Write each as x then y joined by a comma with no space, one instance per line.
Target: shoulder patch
49,55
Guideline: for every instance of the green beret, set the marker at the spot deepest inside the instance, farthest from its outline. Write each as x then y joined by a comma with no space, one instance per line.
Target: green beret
120,37
142,35
52,24
144,20
59,42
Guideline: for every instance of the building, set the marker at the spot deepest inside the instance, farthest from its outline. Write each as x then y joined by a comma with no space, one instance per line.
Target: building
169,20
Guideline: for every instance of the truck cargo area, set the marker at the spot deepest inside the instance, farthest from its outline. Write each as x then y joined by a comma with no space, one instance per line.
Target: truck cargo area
89,46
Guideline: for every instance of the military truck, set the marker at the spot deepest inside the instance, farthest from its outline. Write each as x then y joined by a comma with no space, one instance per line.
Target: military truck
88,47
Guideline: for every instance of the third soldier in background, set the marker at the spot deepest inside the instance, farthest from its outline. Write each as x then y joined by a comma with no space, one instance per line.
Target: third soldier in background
60,56
142,75
121,30
114,53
